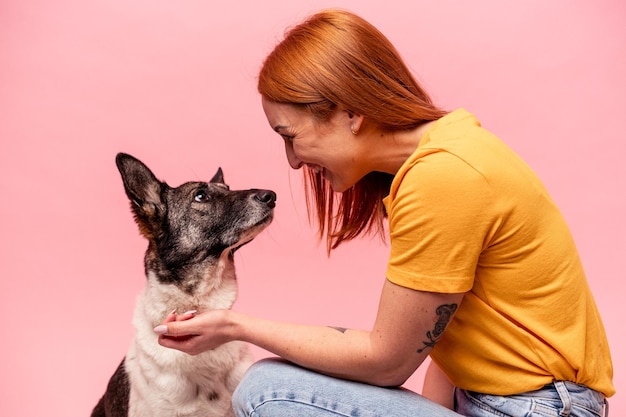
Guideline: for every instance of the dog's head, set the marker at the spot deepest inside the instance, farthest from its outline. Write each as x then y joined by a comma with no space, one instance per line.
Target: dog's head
195,224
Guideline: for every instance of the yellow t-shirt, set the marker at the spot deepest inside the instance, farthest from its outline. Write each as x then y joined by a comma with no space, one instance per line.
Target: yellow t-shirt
466,214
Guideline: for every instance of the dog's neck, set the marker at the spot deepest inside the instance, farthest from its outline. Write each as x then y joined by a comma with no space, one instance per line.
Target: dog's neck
214,287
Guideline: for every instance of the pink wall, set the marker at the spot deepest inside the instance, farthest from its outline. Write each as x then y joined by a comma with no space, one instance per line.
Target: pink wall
173,82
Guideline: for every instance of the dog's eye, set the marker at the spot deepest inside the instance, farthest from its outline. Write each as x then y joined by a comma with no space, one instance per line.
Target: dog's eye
201,197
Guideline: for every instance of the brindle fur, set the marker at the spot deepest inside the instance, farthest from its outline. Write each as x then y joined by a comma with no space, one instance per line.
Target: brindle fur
193,232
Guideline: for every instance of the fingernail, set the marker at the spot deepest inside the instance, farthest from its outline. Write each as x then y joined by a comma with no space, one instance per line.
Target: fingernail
190,312
160,329
172,313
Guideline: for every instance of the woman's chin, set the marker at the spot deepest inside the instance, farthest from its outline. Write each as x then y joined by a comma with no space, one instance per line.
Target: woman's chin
338,187
336,184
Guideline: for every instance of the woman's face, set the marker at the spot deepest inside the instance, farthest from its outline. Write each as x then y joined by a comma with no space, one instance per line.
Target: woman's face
330,148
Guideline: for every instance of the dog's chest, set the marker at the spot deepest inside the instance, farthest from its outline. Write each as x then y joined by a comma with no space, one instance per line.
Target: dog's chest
182,385
166,382
170,395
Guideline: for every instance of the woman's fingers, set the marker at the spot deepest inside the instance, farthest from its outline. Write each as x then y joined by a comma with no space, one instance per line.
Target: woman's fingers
186,315
163,328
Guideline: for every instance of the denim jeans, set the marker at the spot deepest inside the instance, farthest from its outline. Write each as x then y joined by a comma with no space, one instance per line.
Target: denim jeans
276,388
560,398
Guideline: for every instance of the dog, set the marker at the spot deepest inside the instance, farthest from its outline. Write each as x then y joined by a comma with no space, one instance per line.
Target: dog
193,232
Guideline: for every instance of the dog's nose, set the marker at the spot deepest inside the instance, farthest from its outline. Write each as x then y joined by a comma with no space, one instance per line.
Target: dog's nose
267,197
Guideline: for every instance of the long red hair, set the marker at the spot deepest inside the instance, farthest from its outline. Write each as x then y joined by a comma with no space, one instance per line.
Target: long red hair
335,58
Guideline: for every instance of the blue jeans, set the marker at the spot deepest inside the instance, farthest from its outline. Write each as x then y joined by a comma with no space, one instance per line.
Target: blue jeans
276,388
558,399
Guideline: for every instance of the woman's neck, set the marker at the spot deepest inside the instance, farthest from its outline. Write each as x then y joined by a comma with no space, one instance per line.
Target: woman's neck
387,151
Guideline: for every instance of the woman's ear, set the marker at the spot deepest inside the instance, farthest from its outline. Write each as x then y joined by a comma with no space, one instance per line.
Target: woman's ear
356,120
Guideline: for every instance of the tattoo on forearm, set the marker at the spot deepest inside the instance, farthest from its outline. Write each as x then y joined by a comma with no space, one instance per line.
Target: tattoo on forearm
445,313
339,329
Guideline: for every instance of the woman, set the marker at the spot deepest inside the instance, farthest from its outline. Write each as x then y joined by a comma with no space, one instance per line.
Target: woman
483,274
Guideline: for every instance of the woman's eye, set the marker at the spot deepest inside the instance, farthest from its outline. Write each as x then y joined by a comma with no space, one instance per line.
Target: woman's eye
201,197
288,138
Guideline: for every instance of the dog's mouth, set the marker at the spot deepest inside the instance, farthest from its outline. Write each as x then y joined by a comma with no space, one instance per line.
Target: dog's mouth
232,250
249,235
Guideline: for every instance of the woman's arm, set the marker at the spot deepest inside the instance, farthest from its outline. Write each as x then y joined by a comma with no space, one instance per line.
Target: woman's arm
408,325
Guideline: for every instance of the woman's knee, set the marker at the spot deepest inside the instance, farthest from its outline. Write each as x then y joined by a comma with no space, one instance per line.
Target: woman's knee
258,383
264,371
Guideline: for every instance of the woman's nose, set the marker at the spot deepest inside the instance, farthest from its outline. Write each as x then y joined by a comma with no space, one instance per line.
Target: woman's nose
293,160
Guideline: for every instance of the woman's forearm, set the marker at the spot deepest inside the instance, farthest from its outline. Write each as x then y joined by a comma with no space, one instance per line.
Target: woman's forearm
409,323
343,353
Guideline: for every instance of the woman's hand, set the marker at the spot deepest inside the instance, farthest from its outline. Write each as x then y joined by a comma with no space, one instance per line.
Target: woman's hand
194,333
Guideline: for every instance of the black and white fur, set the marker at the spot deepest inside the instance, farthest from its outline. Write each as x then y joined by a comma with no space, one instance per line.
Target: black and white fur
193,231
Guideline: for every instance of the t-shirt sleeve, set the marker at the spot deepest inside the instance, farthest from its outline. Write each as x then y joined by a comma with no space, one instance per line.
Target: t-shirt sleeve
439,218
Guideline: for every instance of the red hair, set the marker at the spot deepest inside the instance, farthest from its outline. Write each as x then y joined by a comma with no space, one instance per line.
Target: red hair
335,58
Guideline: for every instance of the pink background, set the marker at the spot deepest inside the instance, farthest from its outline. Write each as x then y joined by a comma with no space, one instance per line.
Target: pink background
173,82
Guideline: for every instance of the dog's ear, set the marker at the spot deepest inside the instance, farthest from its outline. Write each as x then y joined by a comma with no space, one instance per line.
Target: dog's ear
143,190
218,177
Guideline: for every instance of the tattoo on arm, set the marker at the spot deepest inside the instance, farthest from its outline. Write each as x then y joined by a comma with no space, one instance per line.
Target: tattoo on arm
445,313
339,329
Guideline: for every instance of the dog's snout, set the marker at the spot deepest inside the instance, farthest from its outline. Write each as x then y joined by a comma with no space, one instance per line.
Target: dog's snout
266,197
